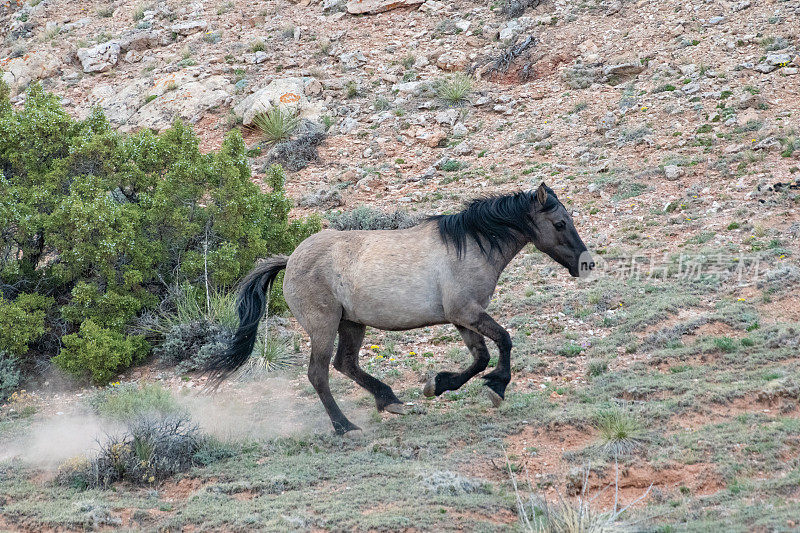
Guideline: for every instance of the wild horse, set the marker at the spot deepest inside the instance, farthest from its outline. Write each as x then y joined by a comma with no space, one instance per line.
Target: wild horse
443,270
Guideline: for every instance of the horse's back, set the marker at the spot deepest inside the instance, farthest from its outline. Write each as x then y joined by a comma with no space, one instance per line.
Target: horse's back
388,279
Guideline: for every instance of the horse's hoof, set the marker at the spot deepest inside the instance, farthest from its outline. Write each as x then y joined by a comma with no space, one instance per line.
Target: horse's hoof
494,397
429,389
396,408
353,433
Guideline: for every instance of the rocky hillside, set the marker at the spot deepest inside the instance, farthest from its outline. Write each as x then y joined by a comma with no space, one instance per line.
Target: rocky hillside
605,101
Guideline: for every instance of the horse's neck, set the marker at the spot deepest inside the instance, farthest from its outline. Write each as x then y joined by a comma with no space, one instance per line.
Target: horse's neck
500,261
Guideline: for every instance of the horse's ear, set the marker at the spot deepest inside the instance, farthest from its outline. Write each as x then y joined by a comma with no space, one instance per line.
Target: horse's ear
541,194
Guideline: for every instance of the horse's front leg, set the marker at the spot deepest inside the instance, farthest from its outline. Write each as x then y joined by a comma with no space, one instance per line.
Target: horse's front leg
445,381
498,379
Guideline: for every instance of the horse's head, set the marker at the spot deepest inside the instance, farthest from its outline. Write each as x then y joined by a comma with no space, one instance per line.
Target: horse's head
555,233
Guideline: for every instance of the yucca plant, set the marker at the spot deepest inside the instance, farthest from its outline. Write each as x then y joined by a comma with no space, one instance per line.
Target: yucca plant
276,124
270,354
621,433
455,89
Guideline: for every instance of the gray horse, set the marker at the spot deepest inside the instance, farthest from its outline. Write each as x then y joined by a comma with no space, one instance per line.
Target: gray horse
443,270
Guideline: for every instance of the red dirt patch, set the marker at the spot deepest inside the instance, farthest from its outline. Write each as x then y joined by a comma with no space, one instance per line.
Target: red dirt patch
548,468
183,488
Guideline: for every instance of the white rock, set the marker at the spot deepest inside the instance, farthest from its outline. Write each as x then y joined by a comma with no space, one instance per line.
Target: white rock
140,40
358,7
132,56
189,101
447,116
118,103
673,172
463,25
99,58
352,59
452,60
464,148
778,60
190,27
348,125
421,62
409,87
289,93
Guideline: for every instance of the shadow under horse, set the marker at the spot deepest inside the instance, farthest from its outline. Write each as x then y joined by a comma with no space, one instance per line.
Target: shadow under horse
443,270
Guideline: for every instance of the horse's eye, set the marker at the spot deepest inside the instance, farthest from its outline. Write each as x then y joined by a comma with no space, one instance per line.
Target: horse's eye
560,225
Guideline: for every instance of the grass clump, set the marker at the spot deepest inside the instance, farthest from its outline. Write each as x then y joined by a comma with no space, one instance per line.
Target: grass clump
537,515
725,344
128,401
596,367
276,124
620,432
455,89
258,46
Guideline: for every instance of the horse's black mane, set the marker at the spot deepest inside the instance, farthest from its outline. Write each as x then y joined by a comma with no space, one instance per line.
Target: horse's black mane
494,222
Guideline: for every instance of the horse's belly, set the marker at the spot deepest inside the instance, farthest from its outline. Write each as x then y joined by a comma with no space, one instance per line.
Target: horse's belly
394,307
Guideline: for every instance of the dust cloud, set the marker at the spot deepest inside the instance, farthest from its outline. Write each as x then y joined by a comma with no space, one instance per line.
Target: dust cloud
249,411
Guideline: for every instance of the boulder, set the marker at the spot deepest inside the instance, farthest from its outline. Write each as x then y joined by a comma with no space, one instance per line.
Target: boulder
119,103
187,100
19,72
189,27
452,60
628,68
99,58
140,40
673,172
371,7
352,59
285,92
778,60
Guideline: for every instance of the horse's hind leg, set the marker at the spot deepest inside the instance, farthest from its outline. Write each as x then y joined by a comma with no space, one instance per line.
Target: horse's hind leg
444,381
351,335
323,336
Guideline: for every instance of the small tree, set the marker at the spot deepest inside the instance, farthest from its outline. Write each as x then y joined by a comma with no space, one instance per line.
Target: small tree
104,222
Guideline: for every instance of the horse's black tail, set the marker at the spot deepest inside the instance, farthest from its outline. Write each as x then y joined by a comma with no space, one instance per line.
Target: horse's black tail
252,303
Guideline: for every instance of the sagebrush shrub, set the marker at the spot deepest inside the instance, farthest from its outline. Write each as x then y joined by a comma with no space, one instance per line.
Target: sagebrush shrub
366,218
152,449
188,344
296,154
104,222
